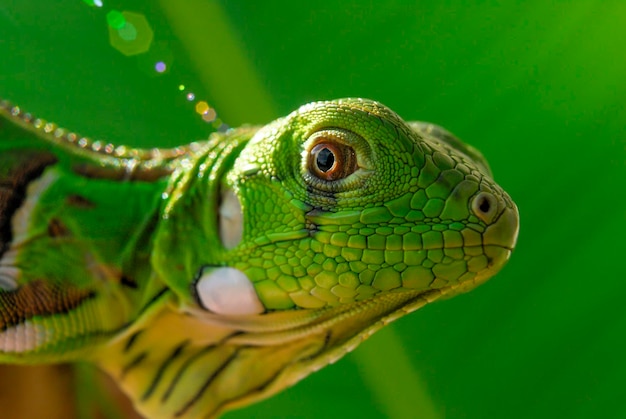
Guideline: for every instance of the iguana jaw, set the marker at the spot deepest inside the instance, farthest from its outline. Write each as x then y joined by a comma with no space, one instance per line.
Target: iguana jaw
280,327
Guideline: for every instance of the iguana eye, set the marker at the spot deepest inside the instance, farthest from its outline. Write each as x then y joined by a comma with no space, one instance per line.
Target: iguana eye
330,160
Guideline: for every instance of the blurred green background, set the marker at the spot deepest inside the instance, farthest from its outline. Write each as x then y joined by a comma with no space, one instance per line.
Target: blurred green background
538,86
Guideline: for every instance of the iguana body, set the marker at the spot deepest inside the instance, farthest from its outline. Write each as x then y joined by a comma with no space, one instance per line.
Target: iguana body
208,276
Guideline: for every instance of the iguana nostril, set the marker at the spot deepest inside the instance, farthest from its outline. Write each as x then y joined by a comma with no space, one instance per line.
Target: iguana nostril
485,206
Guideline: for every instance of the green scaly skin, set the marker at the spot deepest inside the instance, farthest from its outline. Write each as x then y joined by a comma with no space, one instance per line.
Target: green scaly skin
102,249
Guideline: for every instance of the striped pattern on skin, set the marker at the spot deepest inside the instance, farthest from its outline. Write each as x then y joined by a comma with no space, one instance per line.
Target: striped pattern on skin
38,298
209,364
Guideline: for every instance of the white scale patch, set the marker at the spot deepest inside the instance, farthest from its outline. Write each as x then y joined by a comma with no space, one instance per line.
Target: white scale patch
9,273
230,219
8,278
24,337
228,291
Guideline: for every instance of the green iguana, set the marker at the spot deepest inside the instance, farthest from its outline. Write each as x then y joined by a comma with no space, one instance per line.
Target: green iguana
215,274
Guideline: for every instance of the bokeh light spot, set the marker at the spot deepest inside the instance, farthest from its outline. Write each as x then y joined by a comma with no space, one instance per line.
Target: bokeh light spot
160,67
128,32
202,107
190,96
98,3
181,87
157,61
134,37
116,19
209,115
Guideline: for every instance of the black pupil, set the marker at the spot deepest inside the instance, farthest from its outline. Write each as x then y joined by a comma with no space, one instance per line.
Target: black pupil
325,160
484,205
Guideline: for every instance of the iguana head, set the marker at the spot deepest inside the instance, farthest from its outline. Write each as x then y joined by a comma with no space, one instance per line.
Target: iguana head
343,201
